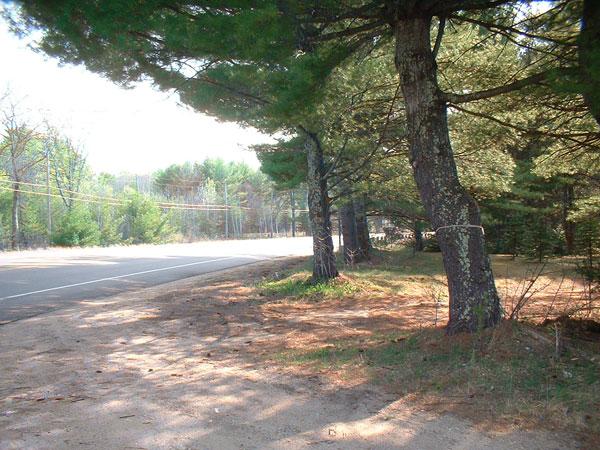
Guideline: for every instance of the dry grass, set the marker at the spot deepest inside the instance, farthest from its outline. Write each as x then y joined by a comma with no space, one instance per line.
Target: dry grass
383,324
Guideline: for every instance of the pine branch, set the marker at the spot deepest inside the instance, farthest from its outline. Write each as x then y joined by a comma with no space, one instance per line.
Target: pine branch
499,90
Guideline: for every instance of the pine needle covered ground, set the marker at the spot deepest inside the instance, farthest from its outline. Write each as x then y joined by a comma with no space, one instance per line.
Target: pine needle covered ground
382,323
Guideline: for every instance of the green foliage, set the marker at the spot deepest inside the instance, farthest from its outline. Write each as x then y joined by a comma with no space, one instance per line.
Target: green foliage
143,221
264,64
431,244
588,247
527,220
5,207
300,286
77,229
286,166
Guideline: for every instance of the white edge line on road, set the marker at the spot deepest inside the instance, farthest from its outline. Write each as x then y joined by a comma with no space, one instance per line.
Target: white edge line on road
121,276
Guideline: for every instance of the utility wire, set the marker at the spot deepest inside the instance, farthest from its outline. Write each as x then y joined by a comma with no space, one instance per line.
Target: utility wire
114,202
45,194
117,202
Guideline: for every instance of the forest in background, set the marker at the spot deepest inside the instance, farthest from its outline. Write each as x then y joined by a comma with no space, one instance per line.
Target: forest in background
49,195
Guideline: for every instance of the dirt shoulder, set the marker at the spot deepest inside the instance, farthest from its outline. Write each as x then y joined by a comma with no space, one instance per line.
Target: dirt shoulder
187,365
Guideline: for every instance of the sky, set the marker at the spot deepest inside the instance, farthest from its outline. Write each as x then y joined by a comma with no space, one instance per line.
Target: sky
121,130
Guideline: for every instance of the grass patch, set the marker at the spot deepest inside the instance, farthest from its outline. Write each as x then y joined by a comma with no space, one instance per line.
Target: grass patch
388,336
504,372
299,285
332,357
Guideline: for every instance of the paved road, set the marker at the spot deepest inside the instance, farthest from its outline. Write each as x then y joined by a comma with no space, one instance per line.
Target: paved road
34,282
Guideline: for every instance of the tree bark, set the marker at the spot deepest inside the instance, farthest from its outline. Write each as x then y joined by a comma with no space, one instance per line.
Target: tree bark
324,266
568,226
589,56
362,229
349,229
293,206
15,235
418,232
474,301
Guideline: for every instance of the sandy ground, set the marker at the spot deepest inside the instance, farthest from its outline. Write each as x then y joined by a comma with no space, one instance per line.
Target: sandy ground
176,367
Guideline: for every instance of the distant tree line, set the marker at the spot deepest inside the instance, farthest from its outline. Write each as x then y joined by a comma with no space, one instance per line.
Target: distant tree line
50,196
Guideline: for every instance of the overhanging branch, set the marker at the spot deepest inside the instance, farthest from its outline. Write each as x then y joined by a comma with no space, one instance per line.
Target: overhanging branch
493,92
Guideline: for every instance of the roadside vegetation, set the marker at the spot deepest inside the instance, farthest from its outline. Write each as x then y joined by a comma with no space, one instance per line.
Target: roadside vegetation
387,329
50,203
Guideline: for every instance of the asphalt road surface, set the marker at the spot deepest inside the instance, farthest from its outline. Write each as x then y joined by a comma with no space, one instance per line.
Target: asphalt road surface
35,282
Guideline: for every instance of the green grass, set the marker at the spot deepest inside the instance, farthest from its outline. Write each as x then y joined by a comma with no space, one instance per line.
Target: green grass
323,358
299,285
515,377
507,375
499,375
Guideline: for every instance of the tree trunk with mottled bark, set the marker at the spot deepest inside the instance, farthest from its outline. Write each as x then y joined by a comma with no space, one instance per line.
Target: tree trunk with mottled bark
418,232
454,214
324,266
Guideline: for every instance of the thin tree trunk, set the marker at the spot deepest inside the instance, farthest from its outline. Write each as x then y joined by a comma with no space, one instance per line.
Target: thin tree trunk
324,266
362,229
349,229
15,236
226,215
293,205
568,226
474,301
418,232
271,215
307,222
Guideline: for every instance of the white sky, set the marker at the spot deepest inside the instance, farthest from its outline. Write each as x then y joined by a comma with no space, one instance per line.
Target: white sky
135,130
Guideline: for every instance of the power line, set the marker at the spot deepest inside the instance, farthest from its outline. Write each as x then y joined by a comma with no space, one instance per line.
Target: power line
45,194
109,201
92,196
216,207
117,202
114,202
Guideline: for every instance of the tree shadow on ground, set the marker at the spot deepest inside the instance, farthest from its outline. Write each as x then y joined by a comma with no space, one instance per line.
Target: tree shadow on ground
191,366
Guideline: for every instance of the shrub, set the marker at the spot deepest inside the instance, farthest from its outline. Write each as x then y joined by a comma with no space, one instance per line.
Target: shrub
77,229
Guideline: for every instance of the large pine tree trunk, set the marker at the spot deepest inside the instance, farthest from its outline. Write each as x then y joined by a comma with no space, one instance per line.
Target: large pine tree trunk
351,249
474,301
362,228
324,266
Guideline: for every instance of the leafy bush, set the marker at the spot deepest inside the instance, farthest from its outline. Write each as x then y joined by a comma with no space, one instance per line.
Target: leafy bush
143,221
77,229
